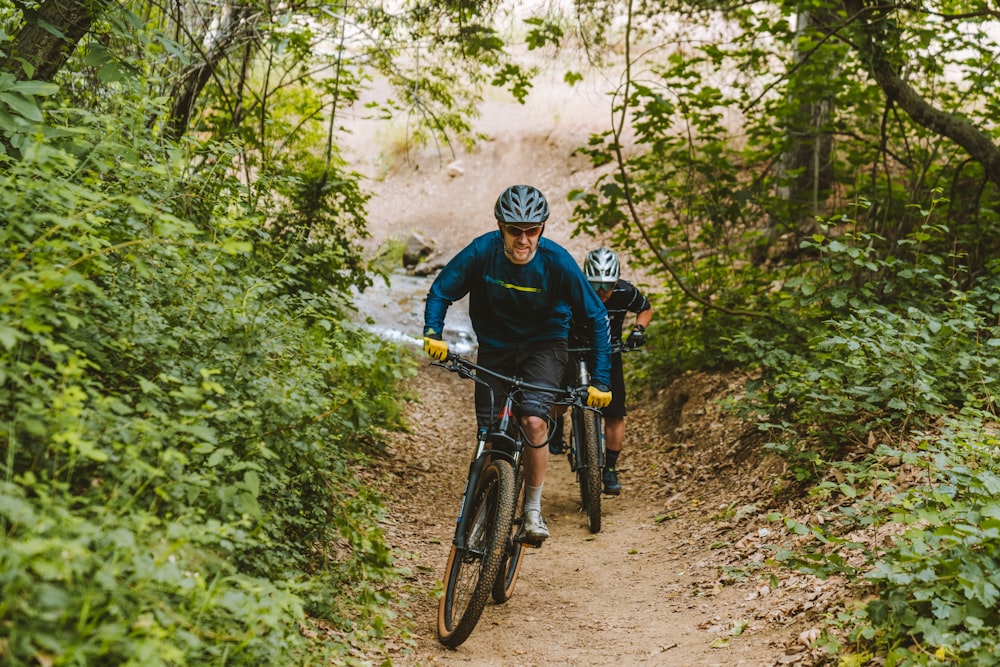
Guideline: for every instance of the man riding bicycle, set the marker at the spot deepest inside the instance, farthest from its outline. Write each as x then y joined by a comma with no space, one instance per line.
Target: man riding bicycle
523,290
620,297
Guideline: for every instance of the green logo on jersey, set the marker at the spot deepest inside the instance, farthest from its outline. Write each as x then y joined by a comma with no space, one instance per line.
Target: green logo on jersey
519,288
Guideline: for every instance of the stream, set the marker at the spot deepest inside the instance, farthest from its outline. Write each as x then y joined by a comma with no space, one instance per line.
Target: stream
395,312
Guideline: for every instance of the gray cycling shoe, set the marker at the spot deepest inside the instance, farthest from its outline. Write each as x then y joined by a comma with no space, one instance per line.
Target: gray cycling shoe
533,528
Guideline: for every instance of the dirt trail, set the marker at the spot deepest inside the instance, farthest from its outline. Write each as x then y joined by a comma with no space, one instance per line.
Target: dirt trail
679,574
644,591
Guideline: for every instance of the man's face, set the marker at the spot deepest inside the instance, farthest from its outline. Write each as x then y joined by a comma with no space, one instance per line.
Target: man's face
603,290
520,240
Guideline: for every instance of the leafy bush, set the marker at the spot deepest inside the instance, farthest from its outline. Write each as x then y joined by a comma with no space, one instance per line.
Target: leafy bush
928,595
176,481
84,584
939,583
881,343
894,346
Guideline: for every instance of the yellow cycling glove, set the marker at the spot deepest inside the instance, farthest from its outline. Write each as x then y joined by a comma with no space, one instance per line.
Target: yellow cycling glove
438,349
597,398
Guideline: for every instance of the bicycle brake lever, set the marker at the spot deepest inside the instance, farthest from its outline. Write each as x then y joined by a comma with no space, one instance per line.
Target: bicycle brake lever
454,364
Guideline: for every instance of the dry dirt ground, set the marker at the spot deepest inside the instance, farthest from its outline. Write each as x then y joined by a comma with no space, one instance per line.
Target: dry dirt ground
679,574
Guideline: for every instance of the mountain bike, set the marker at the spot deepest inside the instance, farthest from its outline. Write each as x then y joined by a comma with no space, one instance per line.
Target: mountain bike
486,552
586,448
586,444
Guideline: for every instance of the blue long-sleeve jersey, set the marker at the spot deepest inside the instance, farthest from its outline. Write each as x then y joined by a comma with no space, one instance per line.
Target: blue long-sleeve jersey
512,304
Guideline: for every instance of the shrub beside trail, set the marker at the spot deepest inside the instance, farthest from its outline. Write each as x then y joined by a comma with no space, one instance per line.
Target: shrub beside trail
182,412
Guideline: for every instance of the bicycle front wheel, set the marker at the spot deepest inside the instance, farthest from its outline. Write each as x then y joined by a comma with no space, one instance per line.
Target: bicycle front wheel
503,588
472,571
588,470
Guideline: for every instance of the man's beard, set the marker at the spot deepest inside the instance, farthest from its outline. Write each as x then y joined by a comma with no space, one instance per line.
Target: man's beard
508,250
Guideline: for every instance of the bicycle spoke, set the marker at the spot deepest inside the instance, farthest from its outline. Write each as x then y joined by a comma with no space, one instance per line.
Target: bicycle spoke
472,572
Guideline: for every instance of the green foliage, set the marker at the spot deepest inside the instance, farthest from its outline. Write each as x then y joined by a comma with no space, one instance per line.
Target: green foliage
182,412
727,175
94,584
20,110
873,323
931,594
543,32
939,583
184,406
889,341
727,152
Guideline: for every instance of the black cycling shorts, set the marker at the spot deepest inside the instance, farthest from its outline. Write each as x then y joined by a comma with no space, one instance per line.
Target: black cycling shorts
537,363
617,406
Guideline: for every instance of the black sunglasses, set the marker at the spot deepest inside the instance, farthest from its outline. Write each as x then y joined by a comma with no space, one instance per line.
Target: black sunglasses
517,230
602,287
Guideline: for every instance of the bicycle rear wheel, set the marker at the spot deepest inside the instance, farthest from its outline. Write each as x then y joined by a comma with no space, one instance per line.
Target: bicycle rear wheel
472,571
588,470
503,587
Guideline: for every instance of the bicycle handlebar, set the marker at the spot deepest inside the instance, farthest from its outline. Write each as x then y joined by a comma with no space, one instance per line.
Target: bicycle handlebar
456,363
617,347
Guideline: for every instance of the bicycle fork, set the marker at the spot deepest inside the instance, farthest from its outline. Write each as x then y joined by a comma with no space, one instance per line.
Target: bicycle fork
475,470
577,416
500,432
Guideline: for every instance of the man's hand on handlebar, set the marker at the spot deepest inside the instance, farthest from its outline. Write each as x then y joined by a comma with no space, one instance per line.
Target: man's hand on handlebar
636,339
598,396
436,349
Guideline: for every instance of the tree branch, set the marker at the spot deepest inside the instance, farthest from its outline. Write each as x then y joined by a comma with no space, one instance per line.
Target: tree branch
977,143
617,131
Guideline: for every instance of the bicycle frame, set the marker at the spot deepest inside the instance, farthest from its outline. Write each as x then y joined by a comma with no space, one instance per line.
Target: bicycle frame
504,438
506,431
576,416
486,549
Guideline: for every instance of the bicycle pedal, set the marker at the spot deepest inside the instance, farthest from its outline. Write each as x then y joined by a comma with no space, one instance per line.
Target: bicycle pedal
526,541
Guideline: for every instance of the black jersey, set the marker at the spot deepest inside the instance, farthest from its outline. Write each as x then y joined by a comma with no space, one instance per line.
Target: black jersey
625,298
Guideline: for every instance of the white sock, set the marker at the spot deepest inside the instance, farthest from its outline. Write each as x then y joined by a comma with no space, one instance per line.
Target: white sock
532,498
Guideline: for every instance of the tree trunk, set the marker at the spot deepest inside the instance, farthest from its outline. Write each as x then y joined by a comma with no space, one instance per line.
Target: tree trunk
235,27
808,156
811,146
48,38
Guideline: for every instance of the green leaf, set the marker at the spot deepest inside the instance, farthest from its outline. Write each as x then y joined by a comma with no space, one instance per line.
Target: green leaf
24,106
234,247
110,73
218,456
29,87
9,336
97,55
251,482
147,387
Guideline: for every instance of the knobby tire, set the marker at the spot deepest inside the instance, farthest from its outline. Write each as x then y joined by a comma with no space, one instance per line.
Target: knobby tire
472,572
589,471
503,587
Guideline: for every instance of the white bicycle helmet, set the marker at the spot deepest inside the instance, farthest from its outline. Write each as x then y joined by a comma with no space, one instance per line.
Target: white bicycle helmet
602,266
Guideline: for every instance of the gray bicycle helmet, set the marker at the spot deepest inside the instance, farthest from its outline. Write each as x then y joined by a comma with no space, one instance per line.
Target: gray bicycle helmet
521,204
602,266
